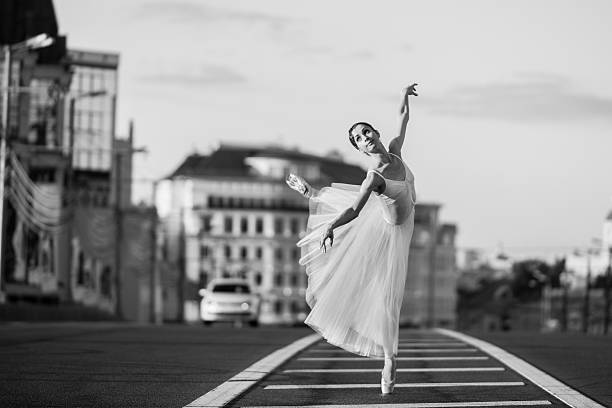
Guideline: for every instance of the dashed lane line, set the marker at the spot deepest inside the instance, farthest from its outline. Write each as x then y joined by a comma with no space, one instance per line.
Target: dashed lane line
399,370
232,388
556,388
428,404
397,358
400,385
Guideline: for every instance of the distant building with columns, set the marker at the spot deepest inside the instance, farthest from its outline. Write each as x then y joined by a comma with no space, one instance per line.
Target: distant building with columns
230,214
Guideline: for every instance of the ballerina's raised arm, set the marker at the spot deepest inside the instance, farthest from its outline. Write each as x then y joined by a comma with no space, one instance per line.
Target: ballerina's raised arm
395,145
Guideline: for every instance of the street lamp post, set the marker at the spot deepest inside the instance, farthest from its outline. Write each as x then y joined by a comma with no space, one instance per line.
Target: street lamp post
39,41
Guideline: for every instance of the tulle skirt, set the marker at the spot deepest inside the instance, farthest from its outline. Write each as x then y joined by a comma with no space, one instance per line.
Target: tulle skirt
355,290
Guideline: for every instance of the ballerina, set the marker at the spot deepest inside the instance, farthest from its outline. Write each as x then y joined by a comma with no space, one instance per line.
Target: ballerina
356,285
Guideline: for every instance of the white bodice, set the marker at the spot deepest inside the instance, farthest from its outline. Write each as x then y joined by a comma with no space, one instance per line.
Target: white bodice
399,198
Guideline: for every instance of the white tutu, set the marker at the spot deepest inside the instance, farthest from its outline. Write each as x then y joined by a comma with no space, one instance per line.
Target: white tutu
355,290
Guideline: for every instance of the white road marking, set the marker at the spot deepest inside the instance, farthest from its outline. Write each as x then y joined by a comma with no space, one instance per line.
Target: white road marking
398,358
428,404
447,350
402,385
548,383
441,344
405,370
232,388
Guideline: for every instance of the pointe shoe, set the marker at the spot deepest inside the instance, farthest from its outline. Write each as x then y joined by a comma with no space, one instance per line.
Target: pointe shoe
387,387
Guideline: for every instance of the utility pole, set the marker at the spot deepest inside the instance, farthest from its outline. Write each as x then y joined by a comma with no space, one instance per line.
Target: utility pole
587,297
564,309
155,280
607,292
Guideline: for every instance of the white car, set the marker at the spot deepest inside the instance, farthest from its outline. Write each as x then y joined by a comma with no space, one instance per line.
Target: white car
229,300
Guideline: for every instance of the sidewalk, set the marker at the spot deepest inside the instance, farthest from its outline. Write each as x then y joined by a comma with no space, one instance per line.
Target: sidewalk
584,362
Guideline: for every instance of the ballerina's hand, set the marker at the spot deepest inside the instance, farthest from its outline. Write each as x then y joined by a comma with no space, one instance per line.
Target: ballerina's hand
298,184
410,90
329,234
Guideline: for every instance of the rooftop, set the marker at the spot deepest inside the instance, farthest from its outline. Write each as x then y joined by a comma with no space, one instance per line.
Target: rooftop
230,161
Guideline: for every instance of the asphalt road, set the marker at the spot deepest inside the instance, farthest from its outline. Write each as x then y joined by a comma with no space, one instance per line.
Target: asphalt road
120,365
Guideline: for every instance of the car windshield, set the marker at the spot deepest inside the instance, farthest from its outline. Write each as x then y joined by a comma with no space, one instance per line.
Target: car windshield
231,288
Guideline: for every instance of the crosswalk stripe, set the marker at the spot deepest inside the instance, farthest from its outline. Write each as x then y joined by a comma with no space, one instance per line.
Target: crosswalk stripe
402,385
404,344
428,404
448,350
445,344
445,338
405,370
397,358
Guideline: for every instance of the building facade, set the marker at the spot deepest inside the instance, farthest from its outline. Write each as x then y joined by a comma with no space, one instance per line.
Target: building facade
70,234
230,214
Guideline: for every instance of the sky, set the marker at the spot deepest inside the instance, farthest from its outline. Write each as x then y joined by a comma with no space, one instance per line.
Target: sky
511,132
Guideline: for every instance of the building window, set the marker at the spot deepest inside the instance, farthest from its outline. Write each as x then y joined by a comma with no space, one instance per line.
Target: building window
105,281
278,279
294,279
259,225
206,223
295,226
295,307
244,225
243,253
295,254
278,307
228,224
228,252
279,226
81,269
258,252
204,251
258,278
278,254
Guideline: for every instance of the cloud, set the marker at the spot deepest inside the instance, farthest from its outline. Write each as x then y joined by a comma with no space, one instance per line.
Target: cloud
535,97
207,75
189,12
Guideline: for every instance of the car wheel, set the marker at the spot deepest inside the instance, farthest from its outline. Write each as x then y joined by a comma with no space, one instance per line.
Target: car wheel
253,323
206,322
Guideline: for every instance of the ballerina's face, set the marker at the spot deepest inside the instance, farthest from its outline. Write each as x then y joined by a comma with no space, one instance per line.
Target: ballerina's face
366,138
